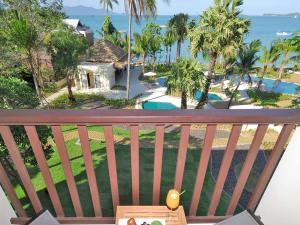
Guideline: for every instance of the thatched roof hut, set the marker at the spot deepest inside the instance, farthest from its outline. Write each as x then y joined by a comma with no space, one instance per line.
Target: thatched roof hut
104,51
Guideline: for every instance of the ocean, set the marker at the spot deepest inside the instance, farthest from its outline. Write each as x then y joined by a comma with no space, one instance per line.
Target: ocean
265,28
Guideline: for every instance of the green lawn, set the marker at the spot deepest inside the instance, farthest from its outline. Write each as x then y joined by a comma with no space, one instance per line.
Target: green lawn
124,175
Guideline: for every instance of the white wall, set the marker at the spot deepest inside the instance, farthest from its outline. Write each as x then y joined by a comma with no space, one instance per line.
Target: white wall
104,71
6,211
280,203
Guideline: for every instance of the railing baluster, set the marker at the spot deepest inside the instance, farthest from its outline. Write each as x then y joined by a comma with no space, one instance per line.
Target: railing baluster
226,162
202,167
112,167
182,151
134,150
9,189
63,154
270,166
42,163
243,177
20,167
158,157
89,166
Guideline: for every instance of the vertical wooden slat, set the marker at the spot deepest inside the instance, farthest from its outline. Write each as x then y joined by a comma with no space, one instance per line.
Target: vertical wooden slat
20,167
203,163
158,157
135,175
112,167
9,189
182,151
88,161
63,154
248,164
270,166
226,162
42,163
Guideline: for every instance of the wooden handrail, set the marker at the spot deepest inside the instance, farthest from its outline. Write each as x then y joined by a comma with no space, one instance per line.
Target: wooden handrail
125,116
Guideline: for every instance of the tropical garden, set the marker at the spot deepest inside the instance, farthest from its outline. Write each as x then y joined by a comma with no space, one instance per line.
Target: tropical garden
32,34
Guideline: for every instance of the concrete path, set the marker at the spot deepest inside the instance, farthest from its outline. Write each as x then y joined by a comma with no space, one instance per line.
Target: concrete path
55,95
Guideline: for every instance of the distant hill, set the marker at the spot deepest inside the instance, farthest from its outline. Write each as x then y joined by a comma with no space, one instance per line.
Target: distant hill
86,11
288,14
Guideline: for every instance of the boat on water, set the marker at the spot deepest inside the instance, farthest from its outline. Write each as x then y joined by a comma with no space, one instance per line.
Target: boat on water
283,34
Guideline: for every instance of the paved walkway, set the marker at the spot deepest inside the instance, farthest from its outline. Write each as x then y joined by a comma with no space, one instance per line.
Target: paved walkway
55,95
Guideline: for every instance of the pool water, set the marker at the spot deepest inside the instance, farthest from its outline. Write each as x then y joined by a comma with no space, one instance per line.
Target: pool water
280,86
276,86
158,105
162,82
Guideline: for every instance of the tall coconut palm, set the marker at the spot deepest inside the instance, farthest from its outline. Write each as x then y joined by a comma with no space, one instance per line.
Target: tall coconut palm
187,77
220,28
286,48
268,57
247,58
168,41
141,47
179,23
137,8
108,4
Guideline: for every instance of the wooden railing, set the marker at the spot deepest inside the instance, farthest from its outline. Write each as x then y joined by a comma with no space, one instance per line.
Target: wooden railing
133,118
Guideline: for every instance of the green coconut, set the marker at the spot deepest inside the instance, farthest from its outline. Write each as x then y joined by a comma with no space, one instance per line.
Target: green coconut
156,222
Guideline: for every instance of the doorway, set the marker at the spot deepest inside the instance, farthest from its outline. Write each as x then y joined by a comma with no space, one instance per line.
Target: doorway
90,79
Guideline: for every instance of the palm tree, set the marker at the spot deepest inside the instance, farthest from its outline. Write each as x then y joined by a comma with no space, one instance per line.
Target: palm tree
187,77
269,56
108,4
247,58
168,40
220,28
285,47
137,8
141,47
179,23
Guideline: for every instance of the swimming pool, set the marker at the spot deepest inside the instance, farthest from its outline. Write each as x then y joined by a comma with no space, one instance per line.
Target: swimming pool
158,105
162,82
280,86
277,86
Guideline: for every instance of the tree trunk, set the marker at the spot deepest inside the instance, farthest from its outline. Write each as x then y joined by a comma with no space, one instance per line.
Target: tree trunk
170,53
234,93
69,85
183,100
167,51
129,49
281,70
211,68
262,76
143,64
178,49
39,72
34,75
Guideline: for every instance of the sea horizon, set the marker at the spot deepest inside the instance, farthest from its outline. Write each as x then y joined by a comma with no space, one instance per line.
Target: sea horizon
265,28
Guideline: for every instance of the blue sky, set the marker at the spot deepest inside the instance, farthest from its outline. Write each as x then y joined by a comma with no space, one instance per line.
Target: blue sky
195,7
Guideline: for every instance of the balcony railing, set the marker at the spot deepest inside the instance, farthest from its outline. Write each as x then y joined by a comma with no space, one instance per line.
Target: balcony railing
133,119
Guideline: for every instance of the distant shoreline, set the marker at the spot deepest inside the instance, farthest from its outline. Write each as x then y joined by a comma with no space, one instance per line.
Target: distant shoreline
288,14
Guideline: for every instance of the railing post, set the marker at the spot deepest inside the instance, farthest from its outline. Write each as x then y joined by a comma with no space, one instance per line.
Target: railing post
7,211
280,202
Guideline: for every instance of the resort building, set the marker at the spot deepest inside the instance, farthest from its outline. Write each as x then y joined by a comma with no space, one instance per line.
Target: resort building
81,29
100,66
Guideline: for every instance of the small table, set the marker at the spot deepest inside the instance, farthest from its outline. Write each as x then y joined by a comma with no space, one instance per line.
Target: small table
176,217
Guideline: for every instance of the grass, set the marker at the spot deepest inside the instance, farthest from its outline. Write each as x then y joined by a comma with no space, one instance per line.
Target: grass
122,151
62,102
270,99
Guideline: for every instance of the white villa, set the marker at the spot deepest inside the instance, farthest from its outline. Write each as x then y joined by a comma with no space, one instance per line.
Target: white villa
81,29
99,68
